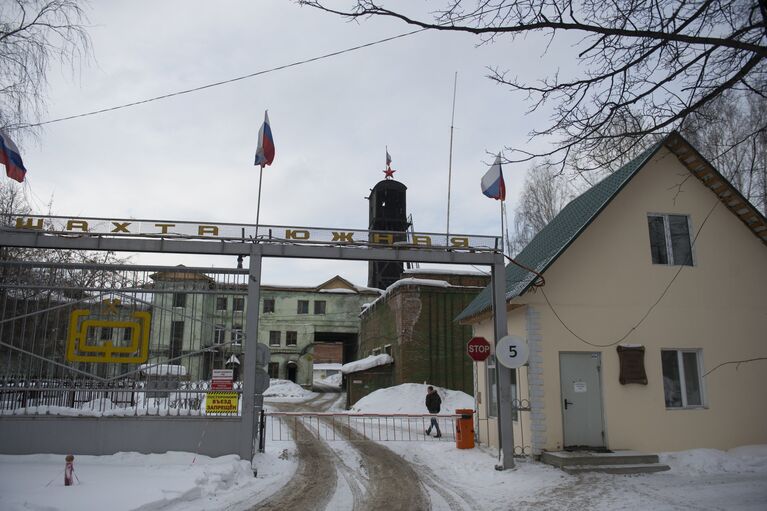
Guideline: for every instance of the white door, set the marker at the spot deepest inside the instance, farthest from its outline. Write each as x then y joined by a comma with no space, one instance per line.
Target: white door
581,400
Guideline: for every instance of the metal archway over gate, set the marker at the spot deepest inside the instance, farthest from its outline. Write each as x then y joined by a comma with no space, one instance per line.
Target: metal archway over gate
113,325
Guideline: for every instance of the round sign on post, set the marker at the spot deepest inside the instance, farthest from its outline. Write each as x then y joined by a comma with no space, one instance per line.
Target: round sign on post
511,351
478,349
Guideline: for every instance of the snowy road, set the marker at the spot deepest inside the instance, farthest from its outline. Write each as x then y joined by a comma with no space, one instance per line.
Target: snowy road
360,475
371,477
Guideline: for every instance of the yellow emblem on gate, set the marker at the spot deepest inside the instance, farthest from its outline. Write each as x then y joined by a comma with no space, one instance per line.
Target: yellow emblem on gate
82,349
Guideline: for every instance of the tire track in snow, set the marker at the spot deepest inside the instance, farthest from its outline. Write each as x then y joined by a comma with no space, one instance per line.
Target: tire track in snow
455,499
315,480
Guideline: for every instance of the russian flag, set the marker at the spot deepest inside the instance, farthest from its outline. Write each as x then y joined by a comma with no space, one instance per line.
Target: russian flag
492,182
10,157
265,151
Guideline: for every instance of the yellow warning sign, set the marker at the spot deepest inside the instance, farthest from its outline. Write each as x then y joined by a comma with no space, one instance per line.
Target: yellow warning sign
221,402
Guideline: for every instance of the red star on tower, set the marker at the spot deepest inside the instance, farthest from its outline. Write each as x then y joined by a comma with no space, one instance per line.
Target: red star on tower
389,173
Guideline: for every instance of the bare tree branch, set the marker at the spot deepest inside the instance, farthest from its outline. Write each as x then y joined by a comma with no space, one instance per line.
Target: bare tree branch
660,61
33,34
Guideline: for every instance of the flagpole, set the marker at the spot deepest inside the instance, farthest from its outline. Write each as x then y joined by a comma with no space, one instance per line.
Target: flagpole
258,207
503,250
450,160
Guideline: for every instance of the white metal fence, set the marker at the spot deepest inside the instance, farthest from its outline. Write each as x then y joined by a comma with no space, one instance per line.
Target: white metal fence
354,427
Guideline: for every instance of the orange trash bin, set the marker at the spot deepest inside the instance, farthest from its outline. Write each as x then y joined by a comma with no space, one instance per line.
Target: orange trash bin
464,428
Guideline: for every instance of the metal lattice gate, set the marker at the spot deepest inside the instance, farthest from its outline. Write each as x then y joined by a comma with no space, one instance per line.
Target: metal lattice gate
115,339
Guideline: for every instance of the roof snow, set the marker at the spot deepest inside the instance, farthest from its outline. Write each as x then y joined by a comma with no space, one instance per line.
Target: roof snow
367,363
163,369
410,281
445,271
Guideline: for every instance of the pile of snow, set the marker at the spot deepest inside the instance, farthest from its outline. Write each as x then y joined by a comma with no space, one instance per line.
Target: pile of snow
174,480
334,380
367,363
750,458
285,388
410,398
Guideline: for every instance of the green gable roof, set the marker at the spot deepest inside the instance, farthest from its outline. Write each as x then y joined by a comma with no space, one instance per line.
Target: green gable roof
558,234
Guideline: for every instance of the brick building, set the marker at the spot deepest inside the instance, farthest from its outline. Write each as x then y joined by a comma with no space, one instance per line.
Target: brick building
413,322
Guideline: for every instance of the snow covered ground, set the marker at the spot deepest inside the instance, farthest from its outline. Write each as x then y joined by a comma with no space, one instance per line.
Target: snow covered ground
698,479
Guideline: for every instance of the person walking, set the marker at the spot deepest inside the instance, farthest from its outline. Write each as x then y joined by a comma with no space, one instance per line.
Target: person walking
433,403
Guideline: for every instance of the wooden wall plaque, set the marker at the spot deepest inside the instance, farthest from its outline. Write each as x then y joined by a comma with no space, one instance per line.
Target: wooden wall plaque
631,360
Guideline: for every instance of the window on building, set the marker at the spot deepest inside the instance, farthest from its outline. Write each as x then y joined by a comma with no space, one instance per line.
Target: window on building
319,306
376,351
682,384
387,349
492,391
176,339
127,334
274,337
106,334
274,370
268,305
221,303
492,388
291,338
303,307
237,335
179,299
219,335
238,303
670,239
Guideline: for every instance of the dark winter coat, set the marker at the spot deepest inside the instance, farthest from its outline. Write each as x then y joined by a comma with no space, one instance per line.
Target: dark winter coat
433,402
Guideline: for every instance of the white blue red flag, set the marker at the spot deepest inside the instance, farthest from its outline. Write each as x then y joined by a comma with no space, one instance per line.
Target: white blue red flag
492,182
388,158
10,157
265,151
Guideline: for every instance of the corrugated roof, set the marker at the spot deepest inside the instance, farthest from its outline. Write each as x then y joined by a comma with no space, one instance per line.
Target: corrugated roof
558,234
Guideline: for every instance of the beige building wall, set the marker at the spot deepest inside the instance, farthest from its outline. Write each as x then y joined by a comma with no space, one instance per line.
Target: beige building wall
605,283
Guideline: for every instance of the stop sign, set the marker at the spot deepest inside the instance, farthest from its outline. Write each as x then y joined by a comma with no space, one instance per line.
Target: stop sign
478,349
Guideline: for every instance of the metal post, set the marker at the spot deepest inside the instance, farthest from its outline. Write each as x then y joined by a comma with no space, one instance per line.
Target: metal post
250,403
503,374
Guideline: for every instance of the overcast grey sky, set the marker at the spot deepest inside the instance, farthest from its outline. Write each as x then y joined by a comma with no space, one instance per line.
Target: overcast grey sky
190,157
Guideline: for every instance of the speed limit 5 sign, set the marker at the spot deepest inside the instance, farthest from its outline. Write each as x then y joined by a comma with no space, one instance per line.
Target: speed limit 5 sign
511,351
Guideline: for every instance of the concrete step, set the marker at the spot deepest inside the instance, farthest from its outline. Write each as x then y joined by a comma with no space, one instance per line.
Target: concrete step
564,459
639,468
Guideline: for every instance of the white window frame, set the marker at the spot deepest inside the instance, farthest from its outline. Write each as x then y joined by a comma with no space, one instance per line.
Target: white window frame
492,394
491,374
237,335
667,235
683,384
219,335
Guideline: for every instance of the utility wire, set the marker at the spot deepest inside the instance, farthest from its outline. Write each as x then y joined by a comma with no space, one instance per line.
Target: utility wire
223,82
647,314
